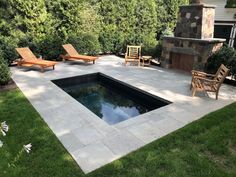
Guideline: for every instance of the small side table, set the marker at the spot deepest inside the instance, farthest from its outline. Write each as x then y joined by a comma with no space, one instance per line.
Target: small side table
146,60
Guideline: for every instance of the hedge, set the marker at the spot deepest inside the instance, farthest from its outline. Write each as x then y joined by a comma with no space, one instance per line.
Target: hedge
93,26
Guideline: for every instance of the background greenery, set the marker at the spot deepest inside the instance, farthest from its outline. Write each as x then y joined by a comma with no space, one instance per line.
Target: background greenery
231,4
93,26
227,56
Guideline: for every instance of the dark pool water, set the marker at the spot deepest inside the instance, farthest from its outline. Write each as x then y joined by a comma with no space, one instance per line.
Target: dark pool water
111,100
107,103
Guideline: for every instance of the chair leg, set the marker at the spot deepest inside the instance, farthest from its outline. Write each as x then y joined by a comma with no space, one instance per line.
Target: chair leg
93,61
217,95
191,85
53,67
193,92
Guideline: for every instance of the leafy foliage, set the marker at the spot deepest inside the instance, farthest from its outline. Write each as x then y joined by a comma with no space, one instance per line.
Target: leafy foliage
167,11
98,25
227,56
5,74
7,47
231,4
85,43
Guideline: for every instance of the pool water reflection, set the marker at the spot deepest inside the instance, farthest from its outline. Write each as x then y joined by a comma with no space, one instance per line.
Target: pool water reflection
106,103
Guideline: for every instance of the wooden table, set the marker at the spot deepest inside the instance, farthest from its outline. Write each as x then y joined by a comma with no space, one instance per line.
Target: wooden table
146,60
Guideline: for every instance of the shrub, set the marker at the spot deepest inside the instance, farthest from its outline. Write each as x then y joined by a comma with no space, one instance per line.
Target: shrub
50,47
5,74
7,46
232,64
158,50
230,4
227,56
85,43
111,40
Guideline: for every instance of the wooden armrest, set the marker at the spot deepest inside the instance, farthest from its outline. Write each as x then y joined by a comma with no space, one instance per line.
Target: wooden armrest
210,75
194,72
204,79
199,73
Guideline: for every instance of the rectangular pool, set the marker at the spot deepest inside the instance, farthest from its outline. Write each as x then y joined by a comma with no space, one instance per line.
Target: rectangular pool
110,99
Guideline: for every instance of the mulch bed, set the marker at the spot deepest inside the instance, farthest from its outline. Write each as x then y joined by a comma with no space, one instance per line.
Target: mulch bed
10,86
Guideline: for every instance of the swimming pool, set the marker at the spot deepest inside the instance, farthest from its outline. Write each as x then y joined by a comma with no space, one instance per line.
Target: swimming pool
110,99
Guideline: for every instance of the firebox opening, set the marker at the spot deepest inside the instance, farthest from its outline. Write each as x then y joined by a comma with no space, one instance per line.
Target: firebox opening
181,61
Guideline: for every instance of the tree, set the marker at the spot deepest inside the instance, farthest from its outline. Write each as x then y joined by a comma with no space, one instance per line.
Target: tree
167,12
128,23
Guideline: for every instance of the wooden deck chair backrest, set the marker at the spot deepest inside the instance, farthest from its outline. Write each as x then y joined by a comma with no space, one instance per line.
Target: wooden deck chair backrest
133,51
221,74
26,53
70,50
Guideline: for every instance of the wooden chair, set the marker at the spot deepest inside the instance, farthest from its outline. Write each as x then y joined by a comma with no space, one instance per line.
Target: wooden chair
203,82
73,55
133,54
29,59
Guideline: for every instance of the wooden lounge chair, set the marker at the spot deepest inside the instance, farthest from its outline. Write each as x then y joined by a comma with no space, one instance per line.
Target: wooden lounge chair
29,59
133,54
73,55
203,82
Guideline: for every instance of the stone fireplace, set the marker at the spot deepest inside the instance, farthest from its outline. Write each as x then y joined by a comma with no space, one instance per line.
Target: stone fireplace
193,41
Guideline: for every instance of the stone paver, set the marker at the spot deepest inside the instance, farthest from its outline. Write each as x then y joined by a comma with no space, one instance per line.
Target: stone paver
146,131
93,156
71,142
122,143
91,141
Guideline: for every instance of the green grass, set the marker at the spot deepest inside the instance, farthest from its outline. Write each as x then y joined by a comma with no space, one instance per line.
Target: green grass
202,149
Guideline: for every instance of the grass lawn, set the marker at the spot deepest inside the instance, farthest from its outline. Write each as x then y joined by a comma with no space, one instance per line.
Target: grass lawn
204,148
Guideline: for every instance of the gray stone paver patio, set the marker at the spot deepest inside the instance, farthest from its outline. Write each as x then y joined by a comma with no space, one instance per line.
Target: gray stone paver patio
91,141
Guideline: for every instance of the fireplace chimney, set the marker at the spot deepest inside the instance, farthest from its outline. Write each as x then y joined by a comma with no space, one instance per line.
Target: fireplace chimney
196,21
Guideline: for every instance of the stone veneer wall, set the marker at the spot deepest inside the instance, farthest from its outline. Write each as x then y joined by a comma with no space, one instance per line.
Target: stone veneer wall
208,20
200,49
196,21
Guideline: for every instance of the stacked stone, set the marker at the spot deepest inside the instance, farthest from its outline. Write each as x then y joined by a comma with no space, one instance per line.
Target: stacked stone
193,40
196,21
